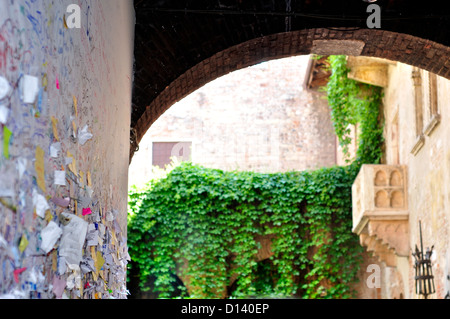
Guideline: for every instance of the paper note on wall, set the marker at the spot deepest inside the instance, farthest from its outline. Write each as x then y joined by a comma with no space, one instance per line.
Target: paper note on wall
72,240
17,272
4,113
62,202
21,165
39,166
75,105
71,163
74,129
5,88
50,235
23,243
81,180
58,286
92,236
87,211
45,81
60,178
55,128
88,177
55,148
100,261
84,135
40,204
87,265
30,88
6,140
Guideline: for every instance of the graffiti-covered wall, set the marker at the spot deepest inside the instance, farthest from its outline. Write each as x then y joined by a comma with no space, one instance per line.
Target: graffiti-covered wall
65,95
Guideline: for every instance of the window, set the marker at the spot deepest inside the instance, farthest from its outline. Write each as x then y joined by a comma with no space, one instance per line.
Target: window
426,106
434,117
163,152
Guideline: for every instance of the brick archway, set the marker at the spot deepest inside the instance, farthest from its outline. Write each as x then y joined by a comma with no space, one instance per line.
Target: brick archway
408,49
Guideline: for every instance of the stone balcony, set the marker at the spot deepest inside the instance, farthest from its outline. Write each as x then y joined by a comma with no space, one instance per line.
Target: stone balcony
380,211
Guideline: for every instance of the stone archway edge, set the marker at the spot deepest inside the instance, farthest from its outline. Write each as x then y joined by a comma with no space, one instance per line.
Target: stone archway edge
408,49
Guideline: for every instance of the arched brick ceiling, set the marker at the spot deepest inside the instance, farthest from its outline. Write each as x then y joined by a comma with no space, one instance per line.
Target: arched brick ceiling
181,45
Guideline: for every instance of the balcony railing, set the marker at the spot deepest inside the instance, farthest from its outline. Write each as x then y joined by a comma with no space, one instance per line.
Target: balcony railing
380,211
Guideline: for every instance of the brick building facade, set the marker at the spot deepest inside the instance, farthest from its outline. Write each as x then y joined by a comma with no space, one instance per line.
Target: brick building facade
261,118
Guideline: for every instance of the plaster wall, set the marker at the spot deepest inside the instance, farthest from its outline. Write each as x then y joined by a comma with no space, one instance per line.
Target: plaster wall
428,170
77,125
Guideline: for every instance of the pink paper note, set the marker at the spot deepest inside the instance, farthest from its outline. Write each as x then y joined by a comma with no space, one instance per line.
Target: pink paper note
86,211
17,272
58,286
62,202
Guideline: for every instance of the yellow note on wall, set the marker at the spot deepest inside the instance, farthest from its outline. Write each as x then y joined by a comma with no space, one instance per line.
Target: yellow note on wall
100,261
72,166
40,168
54,260
23,243
55,128
6,140
88,177
75,105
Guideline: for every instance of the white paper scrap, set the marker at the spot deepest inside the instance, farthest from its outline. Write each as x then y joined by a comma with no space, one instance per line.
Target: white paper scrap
87,265
92,236
21,166
50,236
5,88
62,265
40,203
4,113
84,135
72,241
60,178
74,279
55,148
7,191
29,88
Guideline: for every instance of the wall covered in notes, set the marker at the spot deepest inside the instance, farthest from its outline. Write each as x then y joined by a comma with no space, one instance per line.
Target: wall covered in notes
65,95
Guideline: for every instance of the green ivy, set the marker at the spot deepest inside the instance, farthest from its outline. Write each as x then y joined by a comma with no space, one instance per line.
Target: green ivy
355,103
209,218
201,224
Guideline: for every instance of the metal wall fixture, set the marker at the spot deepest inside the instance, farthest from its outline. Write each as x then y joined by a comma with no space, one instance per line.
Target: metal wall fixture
424,278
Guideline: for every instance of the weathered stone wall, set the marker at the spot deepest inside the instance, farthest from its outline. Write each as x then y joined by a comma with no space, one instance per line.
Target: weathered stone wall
259,119
65,148
428,169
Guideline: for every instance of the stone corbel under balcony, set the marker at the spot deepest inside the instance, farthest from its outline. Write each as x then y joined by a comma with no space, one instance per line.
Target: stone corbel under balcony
380,212
369,70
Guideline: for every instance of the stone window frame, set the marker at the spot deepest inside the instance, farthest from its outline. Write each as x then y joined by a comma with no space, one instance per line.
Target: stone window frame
433,106
425,103
416,76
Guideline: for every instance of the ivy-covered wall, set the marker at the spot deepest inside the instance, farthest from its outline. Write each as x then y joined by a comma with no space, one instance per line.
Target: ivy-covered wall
201,224
206,221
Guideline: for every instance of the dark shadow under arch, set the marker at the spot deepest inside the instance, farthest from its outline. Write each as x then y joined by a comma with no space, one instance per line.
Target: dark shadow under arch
408,49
